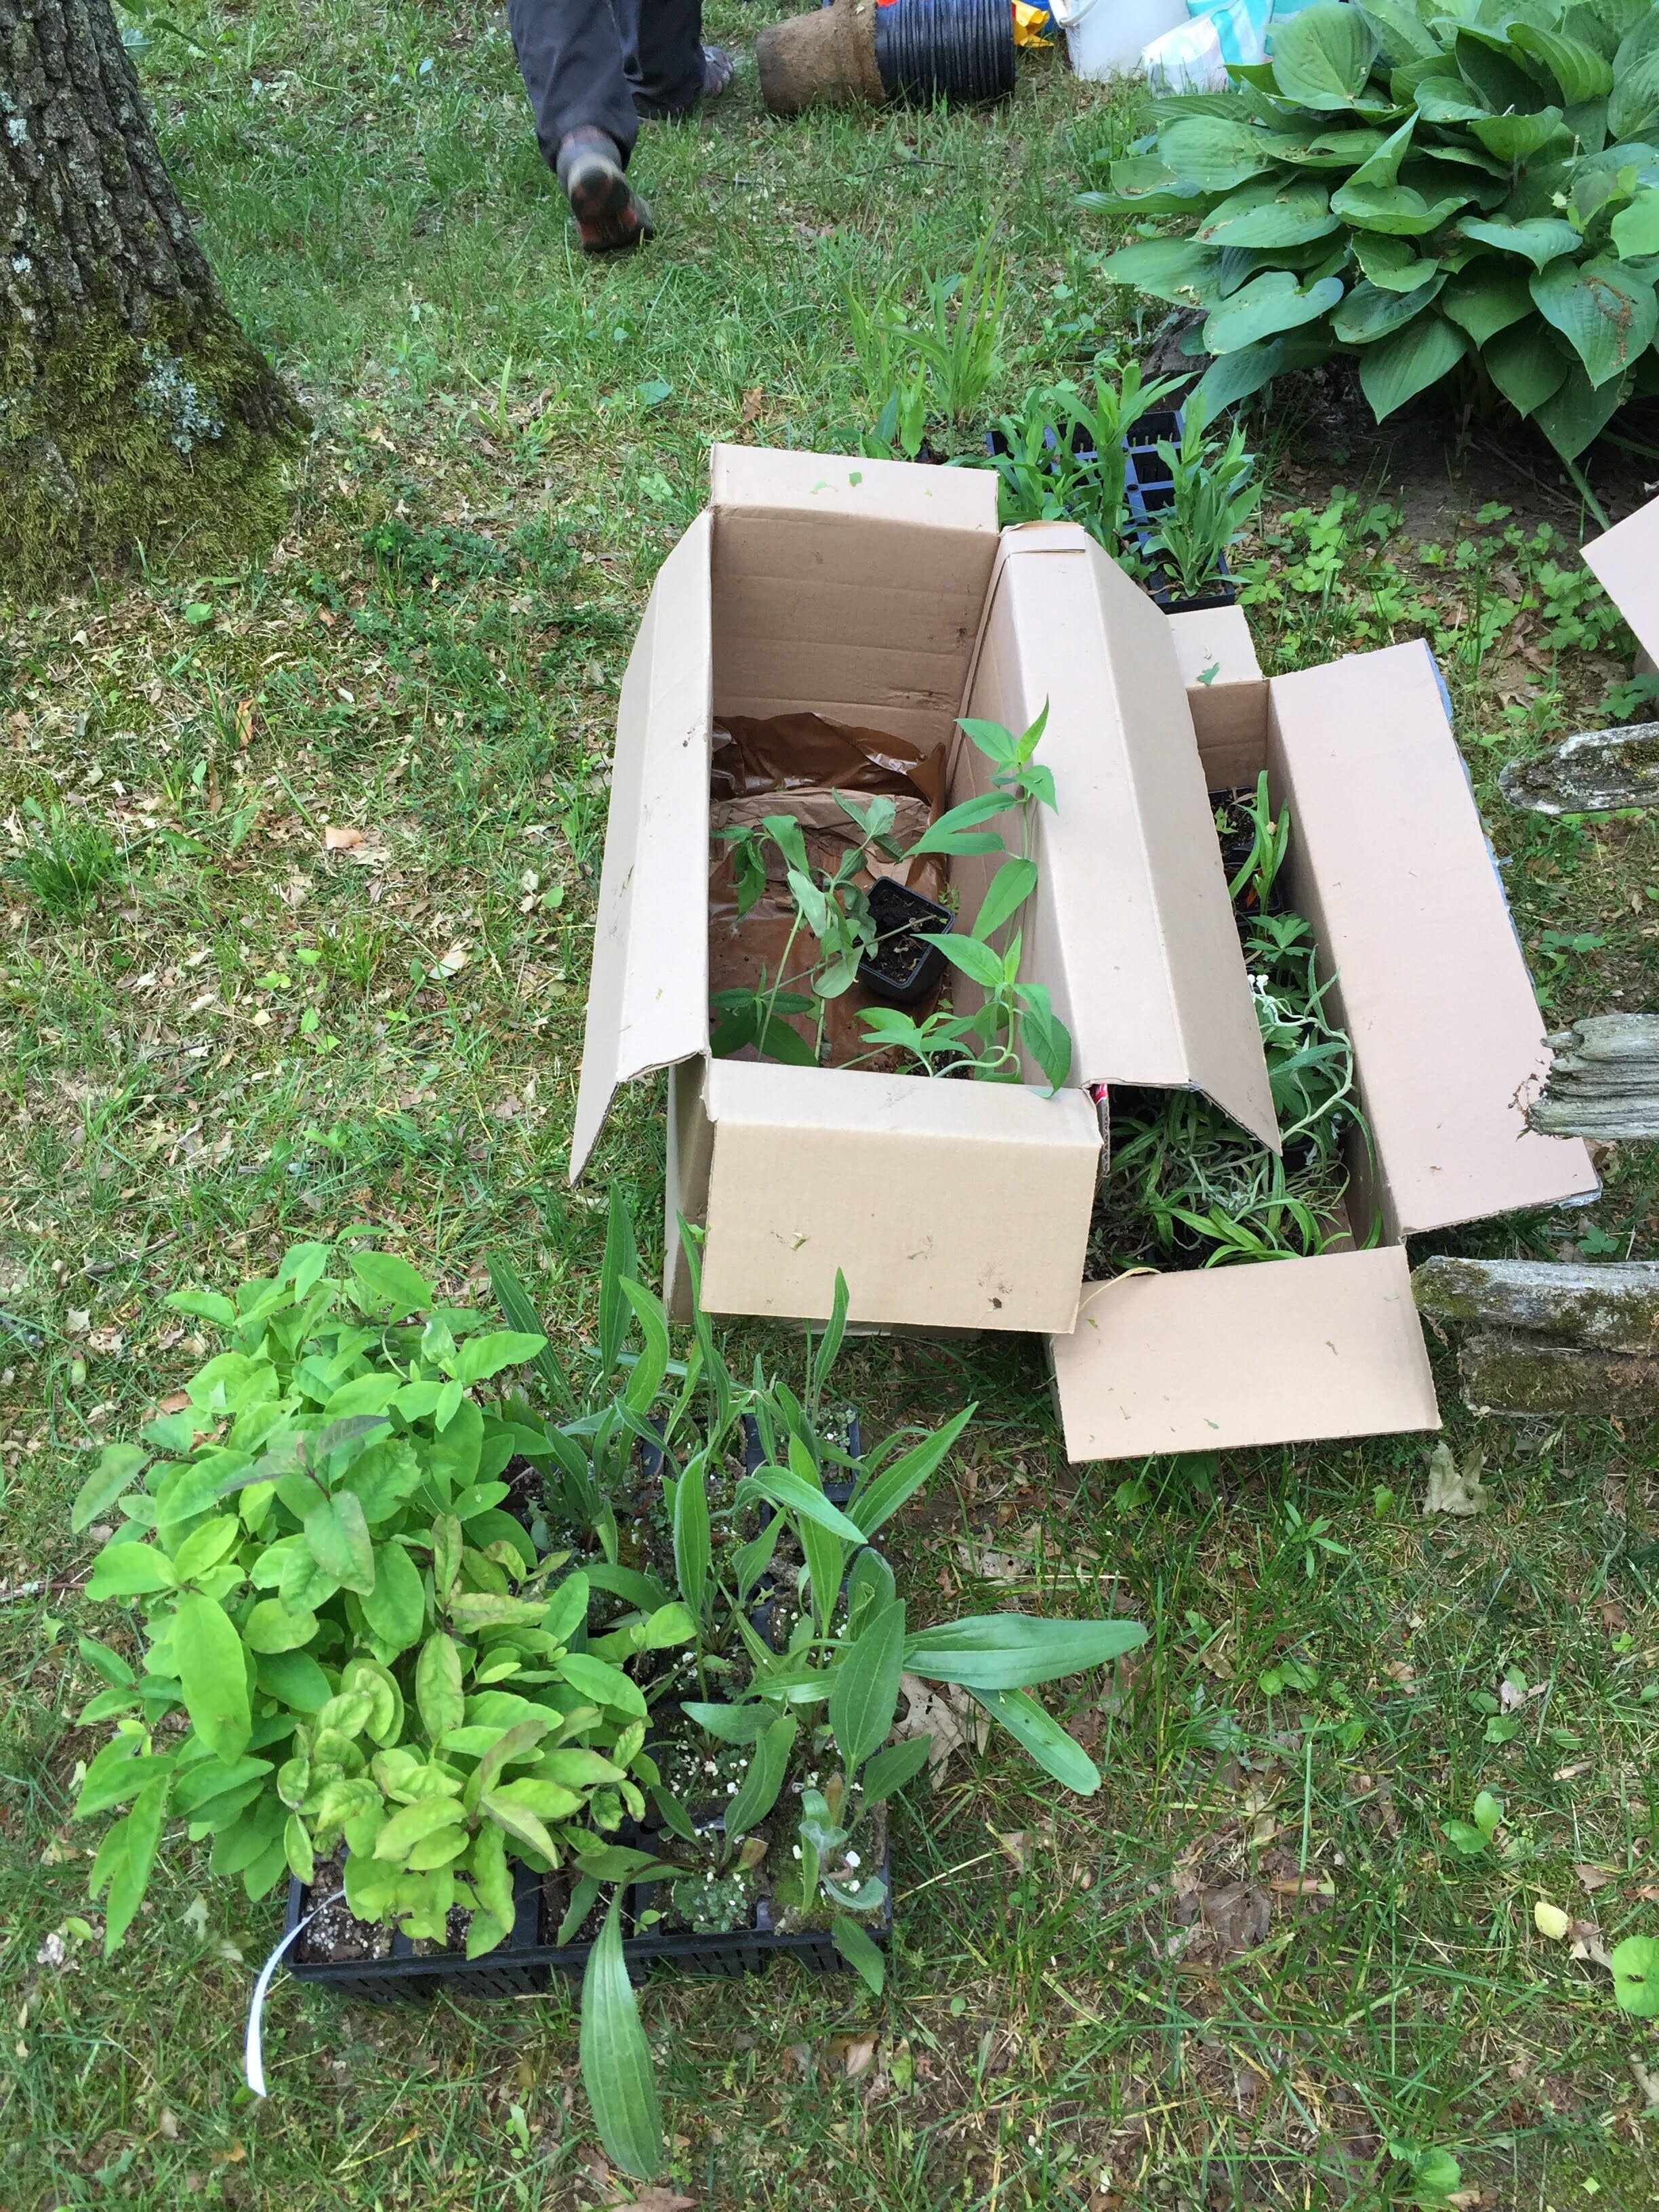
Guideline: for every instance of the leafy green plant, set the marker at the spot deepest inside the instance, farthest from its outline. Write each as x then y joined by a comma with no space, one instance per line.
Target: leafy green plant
1635,1964
1431,190
1186,1184
832,907
1063,459
942,362
1475,1837
66,858
1214,496
345,1640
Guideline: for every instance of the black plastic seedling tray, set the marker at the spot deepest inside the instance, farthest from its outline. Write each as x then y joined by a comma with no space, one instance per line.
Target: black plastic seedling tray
898,912
519,1967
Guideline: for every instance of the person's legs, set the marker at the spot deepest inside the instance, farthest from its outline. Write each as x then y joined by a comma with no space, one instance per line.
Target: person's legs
571,57
663,55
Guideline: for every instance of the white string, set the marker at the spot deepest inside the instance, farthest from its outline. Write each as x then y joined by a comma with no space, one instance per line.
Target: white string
253,2057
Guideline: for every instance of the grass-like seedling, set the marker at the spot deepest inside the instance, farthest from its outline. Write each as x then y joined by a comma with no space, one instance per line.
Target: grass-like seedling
1187,1187
67,859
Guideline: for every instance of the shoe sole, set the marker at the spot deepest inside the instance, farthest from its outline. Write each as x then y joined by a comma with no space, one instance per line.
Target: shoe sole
609,214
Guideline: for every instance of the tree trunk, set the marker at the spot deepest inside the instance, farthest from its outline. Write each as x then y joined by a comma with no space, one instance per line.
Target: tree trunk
1600,1305
1603,1081
1525,1376
132,409
1594,773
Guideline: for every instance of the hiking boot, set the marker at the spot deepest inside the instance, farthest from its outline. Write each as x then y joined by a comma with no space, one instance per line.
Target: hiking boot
611,217
720,66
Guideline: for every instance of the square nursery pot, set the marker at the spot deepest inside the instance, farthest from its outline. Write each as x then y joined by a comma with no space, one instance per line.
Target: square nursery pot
746,1950
1150,489
519,1967
903,969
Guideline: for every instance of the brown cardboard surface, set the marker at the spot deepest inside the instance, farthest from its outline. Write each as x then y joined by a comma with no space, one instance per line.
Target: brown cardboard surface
1229,711
853,588
1132,931
647,995
1625,559
949,1205
1229,1357
1390,865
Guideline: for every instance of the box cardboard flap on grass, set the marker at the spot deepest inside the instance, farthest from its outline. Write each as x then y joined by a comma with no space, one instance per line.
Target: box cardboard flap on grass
1389,864
880,594
1625,562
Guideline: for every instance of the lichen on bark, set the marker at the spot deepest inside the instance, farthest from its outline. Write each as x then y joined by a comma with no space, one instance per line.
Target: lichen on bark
133,411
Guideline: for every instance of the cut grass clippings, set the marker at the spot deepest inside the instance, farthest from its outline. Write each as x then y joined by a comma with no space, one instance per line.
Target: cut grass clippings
297,934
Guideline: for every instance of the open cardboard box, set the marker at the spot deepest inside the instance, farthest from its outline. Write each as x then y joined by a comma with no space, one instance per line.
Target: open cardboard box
882,594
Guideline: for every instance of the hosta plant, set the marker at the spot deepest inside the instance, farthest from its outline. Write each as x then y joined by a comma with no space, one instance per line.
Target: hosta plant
340,1637
1435,187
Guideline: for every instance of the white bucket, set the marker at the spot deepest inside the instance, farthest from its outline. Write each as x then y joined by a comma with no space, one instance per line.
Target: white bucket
1105,37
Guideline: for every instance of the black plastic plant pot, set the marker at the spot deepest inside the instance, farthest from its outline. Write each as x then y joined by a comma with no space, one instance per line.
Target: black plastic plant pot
931,50
519,1967
902,969
1220,592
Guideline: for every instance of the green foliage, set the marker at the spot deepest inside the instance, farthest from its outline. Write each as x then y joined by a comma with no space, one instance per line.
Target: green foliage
1424,192
941,362
346,1639
1215,495
66,860
832,907
1186,1182
1475,1837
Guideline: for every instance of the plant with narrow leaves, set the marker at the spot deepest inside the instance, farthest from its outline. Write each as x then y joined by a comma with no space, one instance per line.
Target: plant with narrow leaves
1013,1019
346,1641
1435,191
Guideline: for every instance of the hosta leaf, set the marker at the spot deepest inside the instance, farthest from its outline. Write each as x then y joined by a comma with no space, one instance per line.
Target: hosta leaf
1272,211
1323,55
1606,313
1390,263
1234,376
1542,240
1397,211
1635,231
1400,367
1400,31
1633,103
1370,313
1514,137
1581,72
1525,364
1447,99
1578,412
1382,167
1268,304
1208,153
1485,298
1168,268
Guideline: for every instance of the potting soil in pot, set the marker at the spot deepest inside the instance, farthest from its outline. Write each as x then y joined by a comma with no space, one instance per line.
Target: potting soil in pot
793,765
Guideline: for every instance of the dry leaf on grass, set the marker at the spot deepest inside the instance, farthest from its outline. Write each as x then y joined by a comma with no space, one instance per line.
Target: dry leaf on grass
854,2054
338,838
1017,1844
944,1714
1231,1918
1453,1489
655,2199
1595,1877
1587,1943
452,962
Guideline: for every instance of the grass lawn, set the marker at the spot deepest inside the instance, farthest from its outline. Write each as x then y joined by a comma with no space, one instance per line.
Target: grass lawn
1254,1970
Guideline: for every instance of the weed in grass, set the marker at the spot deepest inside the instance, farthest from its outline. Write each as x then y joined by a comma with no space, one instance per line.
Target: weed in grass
66,859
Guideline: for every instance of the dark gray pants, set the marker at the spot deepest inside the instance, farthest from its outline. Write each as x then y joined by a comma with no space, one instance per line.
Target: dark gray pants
608,63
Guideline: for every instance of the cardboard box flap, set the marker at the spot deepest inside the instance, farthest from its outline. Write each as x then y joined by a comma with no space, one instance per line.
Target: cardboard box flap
1272,1353
853,588
1144,967
1390,865
944,1204
1625,562
648,1000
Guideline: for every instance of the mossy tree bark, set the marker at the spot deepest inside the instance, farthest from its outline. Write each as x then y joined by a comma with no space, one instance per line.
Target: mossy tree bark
133,411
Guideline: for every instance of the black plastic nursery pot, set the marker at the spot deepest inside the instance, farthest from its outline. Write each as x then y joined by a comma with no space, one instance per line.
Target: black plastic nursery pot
959,50
1150,489
519,1967
902,969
